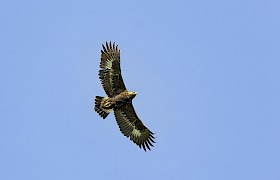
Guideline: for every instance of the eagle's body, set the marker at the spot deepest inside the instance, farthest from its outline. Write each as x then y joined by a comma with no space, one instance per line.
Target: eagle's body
116,102
119,99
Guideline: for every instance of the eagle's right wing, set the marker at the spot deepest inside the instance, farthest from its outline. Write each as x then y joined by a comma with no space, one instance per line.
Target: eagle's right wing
131,126
110,72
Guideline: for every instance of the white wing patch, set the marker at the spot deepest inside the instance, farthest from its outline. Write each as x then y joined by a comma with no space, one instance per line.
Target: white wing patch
136,132
109,63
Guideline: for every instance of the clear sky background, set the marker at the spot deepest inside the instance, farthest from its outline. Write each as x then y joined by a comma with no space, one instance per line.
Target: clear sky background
207,73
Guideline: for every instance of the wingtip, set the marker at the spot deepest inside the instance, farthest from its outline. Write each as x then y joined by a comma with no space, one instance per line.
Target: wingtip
143,145
104,49
110,45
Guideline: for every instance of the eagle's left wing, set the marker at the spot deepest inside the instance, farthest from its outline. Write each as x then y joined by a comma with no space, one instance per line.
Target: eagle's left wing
110,72
132,127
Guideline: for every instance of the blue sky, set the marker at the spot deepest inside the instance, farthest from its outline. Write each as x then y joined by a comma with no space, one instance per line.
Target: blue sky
206,72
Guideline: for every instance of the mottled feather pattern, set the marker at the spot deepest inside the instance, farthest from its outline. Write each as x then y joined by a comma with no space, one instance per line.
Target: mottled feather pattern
128,122
110,73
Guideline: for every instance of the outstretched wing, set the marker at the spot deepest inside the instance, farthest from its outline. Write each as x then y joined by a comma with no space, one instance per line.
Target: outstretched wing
110,72
132,127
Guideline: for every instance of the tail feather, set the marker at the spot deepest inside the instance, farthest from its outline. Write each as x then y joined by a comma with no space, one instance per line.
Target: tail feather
98,107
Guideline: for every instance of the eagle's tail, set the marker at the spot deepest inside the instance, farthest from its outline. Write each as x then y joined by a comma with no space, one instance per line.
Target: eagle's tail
98,107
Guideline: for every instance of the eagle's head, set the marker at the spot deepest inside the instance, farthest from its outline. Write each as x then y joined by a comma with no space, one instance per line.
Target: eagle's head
132,94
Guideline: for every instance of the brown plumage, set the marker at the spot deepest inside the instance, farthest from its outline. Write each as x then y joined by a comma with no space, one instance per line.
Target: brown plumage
119,99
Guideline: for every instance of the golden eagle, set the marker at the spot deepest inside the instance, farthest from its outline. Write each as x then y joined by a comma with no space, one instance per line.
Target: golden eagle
119,99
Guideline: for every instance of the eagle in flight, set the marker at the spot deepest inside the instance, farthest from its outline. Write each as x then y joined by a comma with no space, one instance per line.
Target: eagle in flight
120,99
